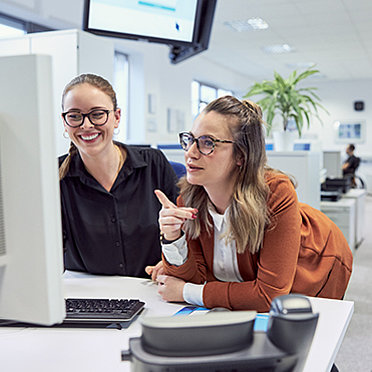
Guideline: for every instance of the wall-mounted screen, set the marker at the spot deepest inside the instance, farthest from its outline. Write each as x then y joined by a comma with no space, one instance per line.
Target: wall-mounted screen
154,20
184,25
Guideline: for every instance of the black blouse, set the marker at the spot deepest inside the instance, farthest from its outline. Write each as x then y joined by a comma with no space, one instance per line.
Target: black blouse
116,232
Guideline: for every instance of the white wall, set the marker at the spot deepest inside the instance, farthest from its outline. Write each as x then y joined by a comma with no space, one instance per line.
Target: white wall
170,87
338,97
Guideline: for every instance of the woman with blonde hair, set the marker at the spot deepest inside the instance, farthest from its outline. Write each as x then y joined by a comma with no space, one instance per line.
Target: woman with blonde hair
238,236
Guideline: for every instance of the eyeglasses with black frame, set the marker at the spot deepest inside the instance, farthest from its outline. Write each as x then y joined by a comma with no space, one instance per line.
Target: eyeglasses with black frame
97,117
205,144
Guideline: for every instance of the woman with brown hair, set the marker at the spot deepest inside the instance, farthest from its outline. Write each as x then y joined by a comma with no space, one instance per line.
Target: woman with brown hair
238,236
109,210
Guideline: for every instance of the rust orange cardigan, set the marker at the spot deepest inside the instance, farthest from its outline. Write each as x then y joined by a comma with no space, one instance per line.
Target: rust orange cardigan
304,253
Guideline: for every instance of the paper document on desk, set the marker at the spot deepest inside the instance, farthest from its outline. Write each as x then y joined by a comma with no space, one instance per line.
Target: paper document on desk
260,323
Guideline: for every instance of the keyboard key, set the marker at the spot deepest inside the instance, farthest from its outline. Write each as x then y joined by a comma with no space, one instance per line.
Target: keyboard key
93,309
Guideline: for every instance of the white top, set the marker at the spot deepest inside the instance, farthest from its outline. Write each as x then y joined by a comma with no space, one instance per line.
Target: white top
225,262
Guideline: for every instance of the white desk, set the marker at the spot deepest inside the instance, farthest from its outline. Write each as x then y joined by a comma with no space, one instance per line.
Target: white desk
70,350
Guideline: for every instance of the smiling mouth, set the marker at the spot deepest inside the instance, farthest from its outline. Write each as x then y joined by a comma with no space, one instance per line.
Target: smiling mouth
90,137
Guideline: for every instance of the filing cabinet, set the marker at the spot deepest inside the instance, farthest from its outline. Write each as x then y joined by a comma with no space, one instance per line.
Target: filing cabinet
359,195
342,213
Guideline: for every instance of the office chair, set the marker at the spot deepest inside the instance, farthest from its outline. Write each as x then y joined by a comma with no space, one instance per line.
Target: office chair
359,182
356,181
178,168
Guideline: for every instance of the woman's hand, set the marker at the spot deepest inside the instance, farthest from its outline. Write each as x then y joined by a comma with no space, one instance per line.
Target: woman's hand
170,288
172,217
156,270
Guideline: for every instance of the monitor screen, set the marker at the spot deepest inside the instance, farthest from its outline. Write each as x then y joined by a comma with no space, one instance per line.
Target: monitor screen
302,146
167,21
31,257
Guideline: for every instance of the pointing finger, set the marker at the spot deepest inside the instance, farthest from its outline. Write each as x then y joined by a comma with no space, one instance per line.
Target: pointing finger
165,202
180,212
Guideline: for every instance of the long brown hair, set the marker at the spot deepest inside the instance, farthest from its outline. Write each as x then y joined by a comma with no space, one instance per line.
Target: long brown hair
97,82
248,214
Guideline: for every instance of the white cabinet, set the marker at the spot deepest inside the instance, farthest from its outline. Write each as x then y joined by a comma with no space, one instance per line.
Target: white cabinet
359,195
73,52
342,213
305,166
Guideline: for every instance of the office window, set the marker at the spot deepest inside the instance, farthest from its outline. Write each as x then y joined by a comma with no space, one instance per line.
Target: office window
121,86
202,94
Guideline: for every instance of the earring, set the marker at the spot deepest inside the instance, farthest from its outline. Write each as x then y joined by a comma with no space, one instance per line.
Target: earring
65,135
117,129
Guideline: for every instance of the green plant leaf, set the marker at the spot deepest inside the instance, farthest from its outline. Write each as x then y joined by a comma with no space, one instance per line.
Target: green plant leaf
281,97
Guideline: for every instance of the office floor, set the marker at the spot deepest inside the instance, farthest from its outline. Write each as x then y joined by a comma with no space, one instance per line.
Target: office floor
355,353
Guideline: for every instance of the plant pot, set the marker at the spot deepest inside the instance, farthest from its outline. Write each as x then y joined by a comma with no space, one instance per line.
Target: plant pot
284,140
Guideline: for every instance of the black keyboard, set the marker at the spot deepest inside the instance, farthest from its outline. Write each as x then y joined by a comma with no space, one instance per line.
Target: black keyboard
105,310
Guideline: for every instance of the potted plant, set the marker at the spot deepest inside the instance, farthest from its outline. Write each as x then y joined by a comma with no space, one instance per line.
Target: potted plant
283,97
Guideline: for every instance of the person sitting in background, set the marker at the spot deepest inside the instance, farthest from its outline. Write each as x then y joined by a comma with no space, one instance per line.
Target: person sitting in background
351,164
238,236
109,210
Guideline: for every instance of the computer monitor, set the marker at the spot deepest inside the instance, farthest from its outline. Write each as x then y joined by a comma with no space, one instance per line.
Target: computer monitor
31,257
162,21
332,162
185,25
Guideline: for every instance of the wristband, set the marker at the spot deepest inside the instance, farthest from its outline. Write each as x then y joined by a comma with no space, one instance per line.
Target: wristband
165,241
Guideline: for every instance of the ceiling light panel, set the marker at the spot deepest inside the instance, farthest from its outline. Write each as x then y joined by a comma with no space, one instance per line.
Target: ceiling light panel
278,49
250,24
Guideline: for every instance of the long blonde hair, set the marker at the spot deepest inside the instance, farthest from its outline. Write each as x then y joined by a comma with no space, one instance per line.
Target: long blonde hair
98,82
248,214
